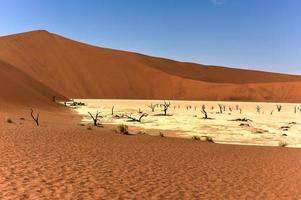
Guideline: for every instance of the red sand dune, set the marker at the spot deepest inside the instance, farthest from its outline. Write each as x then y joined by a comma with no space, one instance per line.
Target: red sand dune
18,88
79,70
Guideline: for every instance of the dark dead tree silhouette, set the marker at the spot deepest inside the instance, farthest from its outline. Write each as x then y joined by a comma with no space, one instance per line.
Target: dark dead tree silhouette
112,110
279,107
35,118
95,118
258,108
204,112
152,107
220,108
139,119
236,107
165,107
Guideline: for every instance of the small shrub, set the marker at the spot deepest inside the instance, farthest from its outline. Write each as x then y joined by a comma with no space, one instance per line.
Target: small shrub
161,134
9,120
90,128
22,118
123,129
282,144
196,137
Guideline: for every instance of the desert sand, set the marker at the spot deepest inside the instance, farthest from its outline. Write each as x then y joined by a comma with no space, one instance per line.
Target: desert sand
62,160
68,158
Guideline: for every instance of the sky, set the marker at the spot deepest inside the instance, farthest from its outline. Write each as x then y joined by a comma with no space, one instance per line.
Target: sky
251,34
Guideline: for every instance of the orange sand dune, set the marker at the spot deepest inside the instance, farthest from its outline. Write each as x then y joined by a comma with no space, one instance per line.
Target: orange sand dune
18,88
79,70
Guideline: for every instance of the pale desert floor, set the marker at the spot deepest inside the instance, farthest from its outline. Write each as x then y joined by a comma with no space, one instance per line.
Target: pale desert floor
64,160
264,129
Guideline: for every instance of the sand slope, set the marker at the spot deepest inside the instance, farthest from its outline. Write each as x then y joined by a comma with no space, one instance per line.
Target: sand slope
17,88
79,70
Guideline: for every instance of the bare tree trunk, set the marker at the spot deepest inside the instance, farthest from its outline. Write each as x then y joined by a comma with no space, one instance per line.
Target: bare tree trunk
112,113
258,108
220,108
95,119
152,107
36,119
165,107
279,107
204,112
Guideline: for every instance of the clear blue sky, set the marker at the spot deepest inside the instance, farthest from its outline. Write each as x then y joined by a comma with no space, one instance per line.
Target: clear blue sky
254,34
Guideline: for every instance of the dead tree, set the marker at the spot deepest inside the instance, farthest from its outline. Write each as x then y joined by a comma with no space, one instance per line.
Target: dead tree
112,110
220,108
279,107
95,118
165,107
204,112
272,112
137,119
35,118
152,107
258,108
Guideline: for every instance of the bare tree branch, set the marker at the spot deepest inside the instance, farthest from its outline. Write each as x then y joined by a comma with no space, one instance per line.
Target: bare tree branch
137,119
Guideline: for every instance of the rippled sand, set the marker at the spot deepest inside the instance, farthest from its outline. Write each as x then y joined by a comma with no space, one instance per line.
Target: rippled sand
62,160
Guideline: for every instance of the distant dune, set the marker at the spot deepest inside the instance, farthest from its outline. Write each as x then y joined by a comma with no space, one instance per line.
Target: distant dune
37,65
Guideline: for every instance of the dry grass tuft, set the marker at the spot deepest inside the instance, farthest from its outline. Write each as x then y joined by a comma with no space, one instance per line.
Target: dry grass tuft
123,129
